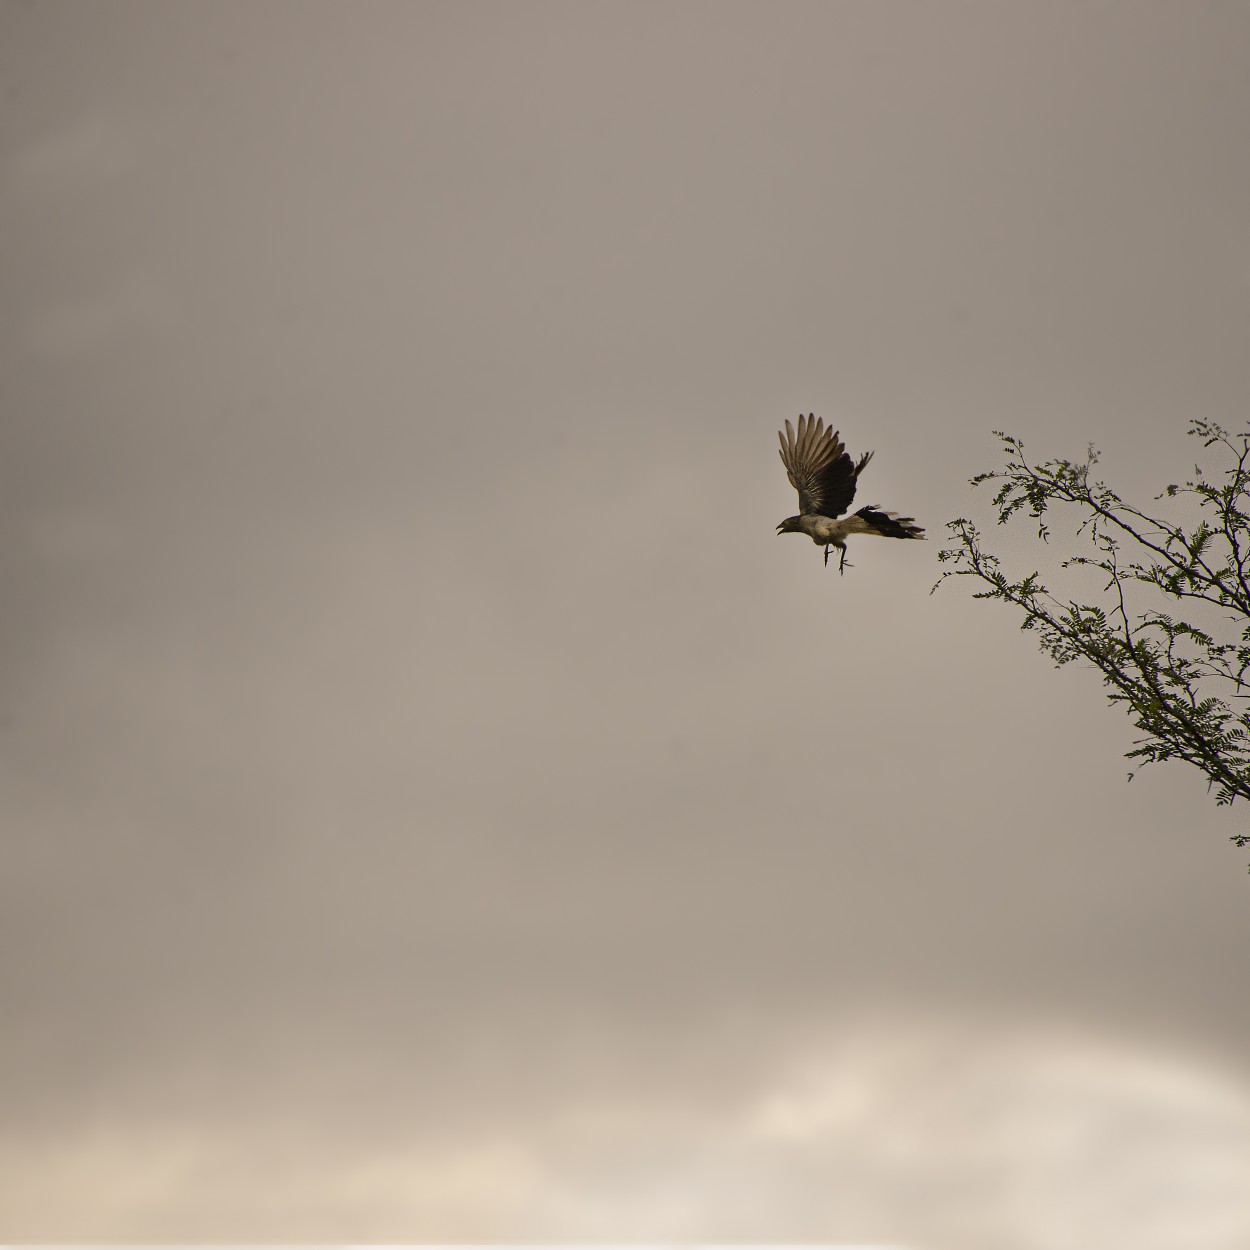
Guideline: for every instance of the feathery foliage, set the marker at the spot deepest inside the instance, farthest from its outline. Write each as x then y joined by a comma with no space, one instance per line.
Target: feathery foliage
1168,627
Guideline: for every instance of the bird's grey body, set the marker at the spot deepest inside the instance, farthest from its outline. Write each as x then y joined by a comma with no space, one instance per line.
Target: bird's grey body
821,470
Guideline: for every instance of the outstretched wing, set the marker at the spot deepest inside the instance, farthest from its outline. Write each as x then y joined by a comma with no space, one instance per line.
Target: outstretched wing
819,467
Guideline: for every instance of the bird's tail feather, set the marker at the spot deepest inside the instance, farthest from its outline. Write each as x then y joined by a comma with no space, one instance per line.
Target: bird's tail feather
889,524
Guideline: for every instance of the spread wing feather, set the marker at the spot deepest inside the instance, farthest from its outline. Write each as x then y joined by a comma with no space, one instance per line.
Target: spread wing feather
819,467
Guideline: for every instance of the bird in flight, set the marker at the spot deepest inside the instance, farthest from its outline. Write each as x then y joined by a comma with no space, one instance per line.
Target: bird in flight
821,470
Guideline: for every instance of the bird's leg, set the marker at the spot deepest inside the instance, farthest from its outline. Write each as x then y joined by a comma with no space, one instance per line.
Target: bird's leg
842,562
828,549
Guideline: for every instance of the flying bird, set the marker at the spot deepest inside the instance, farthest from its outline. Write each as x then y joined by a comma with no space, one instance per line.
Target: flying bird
821,470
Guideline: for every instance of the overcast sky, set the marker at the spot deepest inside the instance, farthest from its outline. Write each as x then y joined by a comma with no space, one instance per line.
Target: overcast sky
434,803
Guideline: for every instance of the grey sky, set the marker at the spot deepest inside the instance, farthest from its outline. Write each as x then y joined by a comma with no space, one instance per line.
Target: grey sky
435,805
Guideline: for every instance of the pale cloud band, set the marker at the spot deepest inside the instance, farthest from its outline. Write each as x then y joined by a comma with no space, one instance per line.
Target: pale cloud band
937,1134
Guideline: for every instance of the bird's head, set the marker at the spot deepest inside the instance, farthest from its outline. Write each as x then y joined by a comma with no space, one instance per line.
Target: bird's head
790,525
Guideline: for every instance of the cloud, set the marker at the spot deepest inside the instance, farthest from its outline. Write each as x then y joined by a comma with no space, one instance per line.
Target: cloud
1030,1139
926,1132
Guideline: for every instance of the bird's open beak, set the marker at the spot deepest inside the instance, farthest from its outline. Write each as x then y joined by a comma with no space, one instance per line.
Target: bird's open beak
780,528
